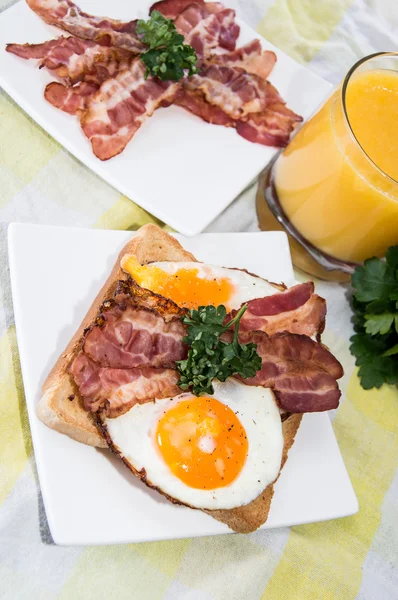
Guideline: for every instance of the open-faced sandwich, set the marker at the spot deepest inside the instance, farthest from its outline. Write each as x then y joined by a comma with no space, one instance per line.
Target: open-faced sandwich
196,376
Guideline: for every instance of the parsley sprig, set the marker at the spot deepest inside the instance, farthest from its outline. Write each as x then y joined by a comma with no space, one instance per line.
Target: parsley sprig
375,305
209,357
167,57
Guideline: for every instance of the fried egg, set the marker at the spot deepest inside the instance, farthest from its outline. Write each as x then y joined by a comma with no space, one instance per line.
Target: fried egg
193,284
215,452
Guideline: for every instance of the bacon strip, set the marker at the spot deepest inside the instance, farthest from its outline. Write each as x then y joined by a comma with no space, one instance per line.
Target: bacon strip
259,129
297,310
74,60
172,8
70,99
188,14
118,390
28,51
196,104
137,328
229,30
272,127
301,372
108,32
200,31
120,107
232,89
252,58
128,337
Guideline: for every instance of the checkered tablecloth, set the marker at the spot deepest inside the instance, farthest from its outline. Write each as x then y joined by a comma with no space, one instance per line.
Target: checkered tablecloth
355,557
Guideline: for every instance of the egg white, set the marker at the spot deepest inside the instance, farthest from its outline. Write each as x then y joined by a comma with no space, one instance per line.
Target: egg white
246,286
133,436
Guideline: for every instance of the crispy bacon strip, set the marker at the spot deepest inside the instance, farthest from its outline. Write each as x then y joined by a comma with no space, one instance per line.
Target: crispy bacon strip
297,310
252,58
128,337
74,60
188,14
196,104
136,330
108,32
70,99
120,107
117,390
204,36
267,129
311,391
301,372
201,30
229,30
272,127
28,51
172,8
234,90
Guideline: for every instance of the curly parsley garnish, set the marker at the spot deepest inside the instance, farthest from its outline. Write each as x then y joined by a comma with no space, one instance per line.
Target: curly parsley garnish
167,57
375,305
209,357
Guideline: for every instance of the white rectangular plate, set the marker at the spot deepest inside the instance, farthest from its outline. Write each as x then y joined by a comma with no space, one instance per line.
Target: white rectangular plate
179,168
89,495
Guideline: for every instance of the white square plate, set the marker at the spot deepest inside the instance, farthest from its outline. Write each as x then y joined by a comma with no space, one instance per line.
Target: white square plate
55,274
179,168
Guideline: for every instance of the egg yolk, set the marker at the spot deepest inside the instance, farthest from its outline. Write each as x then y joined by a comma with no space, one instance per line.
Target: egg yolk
184,287
203,443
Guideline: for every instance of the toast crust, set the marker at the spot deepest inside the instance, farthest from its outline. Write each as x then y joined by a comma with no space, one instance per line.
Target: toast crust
57,408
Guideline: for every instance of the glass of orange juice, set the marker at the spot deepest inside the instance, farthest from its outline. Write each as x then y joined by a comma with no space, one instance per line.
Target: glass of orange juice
334,189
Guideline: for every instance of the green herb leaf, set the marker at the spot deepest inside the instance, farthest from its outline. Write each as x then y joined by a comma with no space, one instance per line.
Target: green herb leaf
379,323
167,57
375,305
374,368
210,357
392,257
157,31
374,281
391,351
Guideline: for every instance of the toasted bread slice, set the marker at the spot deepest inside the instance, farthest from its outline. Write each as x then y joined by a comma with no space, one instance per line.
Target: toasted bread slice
60,406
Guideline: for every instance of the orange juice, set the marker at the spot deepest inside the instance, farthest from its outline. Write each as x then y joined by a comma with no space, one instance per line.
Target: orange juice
337,180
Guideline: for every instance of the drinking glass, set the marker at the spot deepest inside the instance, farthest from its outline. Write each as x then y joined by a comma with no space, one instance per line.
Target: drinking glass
334,188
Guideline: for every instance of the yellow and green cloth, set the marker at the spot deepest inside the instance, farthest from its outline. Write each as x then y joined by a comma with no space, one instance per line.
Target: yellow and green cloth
346,559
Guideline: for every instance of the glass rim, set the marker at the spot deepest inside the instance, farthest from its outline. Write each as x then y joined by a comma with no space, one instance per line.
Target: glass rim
346,81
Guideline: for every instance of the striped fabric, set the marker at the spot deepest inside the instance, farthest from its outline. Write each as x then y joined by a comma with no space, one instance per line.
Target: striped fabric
355,557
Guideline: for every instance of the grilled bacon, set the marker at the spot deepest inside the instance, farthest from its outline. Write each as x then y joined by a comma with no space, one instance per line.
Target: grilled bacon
128,355
105,86
120,107
73,59
296,310
107,32
117,390
301,372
